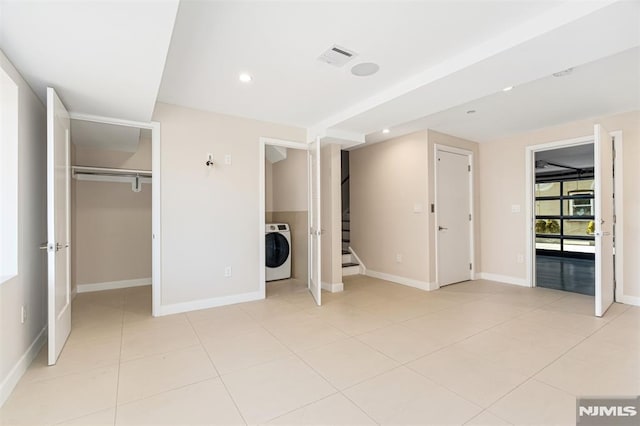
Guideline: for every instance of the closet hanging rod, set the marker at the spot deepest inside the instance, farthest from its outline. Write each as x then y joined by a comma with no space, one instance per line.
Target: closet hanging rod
105,171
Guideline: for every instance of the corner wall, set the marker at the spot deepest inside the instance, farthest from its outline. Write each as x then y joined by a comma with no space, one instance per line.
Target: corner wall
503,185
21,342
210,215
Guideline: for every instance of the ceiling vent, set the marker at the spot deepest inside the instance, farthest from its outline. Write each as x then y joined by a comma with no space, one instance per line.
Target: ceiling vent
337,56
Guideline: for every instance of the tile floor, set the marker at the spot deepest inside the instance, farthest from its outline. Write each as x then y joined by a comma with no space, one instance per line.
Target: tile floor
476,353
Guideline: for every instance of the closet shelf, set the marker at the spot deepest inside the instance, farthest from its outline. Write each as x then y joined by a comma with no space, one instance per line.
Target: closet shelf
105,171
104,174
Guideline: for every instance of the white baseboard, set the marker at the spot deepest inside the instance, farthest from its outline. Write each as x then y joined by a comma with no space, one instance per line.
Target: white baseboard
112,285
422,285
629,300
10,382
505,279
214,302
333,288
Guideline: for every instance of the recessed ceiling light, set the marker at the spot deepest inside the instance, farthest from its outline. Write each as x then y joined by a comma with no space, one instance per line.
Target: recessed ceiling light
385,131
506,89
365,69
563,72
471,111
245,77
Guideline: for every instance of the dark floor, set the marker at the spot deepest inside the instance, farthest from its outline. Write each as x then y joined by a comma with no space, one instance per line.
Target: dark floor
564,273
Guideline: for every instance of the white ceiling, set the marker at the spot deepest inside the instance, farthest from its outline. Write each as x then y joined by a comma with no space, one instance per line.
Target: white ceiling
437,58
102,57
105,136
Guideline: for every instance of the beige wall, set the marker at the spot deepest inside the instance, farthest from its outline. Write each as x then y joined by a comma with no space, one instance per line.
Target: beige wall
387,180
330,218
210,216
289,182
502,164
120,247
28,288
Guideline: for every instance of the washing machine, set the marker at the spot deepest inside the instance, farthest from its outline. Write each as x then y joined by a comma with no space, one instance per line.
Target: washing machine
278,251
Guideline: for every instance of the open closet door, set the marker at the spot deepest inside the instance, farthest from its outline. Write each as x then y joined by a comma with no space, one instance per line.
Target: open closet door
603,199
314,221
58,225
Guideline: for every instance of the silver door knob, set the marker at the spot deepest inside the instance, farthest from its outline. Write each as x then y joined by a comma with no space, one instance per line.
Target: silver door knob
442,228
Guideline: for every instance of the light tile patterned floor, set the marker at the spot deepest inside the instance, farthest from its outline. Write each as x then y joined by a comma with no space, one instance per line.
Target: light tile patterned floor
475,353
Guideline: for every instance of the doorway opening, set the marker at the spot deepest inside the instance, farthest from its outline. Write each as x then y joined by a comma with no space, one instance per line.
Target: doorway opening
565,219
289,224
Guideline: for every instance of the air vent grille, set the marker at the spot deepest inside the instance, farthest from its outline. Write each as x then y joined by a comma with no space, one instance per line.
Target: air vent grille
337,56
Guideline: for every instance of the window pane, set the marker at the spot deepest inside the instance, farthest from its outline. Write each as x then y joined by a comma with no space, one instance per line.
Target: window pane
578,227
548,208
580,246
579,206
577,185
547,226
548,189
548,244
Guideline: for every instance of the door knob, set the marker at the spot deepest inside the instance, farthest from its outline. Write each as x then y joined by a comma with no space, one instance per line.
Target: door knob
442,228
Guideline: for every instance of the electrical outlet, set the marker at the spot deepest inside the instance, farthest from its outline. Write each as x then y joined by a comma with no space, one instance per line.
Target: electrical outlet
227,159
227,271
520,258
399,258
23,314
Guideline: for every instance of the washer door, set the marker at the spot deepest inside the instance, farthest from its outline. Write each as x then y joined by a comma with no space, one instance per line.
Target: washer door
277,249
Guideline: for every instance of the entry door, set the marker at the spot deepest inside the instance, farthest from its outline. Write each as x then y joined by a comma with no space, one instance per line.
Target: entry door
603,199
58,225
453,210
314,221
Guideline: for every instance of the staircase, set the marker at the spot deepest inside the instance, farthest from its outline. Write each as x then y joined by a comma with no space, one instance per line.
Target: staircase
350,265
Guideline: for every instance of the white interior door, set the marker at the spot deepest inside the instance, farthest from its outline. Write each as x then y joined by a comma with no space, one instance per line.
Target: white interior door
314,221
453,210
58,225
603,199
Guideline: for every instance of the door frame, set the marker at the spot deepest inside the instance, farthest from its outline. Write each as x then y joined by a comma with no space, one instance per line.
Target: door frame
264,141
156,206
530,252
469,154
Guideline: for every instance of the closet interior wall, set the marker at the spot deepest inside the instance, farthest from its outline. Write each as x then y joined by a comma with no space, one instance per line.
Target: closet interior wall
110,223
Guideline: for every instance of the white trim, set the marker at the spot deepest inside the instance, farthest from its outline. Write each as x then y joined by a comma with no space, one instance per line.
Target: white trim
112,285
214,302
12,379
422,285
332,288
363,267
530,151
619,223
629,300
111,120
505,279
469,154
263,142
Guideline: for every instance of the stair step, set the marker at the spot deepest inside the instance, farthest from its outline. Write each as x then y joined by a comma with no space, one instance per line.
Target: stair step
346,265
346,252
346,241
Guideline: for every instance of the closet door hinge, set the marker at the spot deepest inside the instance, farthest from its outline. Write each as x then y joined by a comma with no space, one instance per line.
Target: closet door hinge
469,167
469,217
471,266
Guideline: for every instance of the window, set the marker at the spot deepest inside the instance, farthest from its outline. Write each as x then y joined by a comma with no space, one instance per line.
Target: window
581,206
8,177
564,218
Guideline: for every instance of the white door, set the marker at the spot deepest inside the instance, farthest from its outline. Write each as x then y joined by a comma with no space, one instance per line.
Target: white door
453,217
314,221
603,194
58,226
